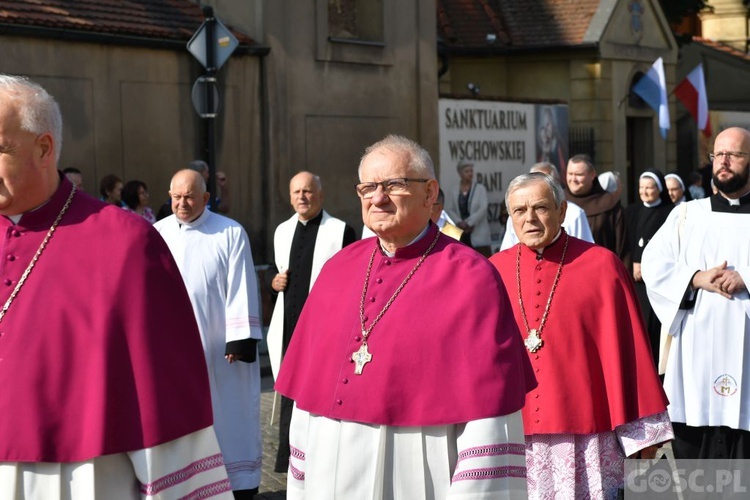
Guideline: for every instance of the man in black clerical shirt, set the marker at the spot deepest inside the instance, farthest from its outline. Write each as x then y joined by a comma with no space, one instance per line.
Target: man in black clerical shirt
302,244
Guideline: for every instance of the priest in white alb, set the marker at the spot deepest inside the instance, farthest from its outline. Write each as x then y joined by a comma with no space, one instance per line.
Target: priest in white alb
214,257
697,269
406,366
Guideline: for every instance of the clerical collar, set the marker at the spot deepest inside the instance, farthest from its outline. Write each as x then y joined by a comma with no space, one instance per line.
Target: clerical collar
737,201
540,251
742,200
315,220
652,204
195,222
419,237
16,218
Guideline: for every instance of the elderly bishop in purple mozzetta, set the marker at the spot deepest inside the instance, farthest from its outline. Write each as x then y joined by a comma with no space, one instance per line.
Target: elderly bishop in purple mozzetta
406,366
104,387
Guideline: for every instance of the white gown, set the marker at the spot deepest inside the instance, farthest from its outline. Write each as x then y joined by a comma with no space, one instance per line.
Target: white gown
483,459
188,467
707,369
214,258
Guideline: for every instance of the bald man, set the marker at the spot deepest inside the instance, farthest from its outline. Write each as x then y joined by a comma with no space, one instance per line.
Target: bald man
214,257
697,269
302,244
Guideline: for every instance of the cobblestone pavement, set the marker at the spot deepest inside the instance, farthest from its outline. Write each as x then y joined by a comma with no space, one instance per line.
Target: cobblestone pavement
272,484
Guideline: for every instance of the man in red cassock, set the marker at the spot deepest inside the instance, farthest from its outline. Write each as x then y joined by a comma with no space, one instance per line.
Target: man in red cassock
104,385
599,399
407,382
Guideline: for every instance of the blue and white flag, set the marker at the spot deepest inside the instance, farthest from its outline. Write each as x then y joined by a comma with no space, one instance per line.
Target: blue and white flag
652,88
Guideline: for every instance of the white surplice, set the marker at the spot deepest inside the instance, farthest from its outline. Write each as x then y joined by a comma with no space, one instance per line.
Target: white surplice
707,368
188,467
214,257
483,459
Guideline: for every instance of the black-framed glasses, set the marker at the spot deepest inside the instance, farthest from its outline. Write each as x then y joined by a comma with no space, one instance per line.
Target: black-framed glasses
729,155
366,190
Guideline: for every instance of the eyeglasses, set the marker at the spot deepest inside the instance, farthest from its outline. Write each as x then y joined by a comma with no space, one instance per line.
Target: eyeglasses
366,190
730,155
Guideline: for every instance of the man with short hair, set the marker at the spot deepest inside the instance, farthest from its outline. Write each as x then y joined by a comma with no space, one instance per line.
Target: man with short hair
216,263
599,399
407,383
96,397
697,269
222,191
302,244
603,209
221,202
575,222
75,177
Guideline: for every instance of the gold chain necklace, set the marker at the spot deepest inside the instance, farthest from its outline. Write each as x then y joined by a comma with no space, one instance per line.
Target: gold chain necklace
362,356
37,254
533,336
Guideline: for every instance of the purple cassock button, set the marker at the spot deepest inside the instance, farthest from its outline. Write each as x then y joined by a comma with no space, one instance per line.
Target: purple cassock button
343,380
387,262
7,282
379,281
16,233
11,258
339,402
372,299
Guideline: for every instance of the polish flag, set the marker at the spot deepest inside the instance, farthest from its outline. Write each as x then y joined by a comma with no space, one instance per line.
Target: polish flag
692,93
653,90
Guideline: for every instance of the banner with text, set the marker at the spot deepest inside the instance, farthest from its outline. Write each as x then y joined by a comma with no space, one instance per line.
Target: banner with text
503,140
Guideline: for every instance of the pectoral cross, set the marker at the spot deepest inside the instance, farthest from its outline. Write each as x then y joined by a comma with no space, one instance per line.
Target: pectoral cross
361,358
533,342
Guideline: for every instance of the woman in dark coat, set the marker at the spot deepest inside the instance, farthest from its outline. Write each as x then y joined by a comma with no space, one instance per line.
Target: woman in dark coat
643,219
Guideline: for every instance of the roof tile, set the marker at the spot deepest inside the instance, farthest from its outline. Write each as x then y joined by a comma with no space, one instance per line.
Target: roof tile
163,19
721,47
466,24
